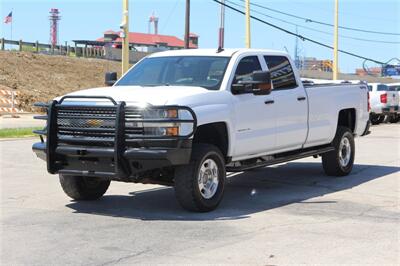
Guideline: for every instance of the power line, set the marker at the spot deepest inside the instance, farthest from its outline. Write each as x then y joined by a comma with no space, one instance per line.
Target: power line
303,38
311,29
322,22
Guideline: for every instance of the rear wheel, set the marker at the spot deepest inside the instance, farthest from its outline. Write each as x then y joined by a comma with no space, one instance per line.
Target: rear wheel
394,118
339,162
83,188
199,186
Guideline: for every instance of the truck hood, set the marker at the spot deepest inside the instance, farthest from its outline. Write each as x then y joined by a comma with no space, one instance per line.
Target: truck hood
158,95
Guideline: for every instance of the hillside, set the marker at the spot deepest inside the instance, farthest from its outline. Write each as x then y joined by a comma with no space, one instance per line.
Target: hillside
42,77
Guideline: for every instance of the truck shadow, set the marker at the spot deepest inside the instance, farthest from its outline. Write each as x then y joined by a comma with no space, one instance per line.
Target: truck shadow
245,193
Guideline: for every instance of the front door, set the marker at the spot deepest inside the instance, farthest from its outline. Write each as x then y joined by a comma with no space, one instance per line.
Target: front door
254,115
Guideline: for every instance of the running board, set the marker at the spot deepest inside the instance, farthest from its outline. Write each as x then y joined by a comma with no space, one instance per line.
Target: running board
282,157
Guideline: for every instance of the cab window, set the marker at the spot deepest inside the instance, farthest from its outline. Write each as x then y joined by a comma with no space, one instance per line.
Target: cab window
282,74
246,67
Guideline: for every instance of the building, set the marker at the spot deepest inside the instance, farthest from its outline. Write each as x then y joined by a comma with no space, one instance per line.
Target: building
312,63
374,71
148,42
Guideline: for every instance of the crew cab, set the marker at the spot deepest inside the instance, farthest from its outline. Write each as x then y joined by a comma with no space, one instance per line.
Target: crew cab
184,118
383,102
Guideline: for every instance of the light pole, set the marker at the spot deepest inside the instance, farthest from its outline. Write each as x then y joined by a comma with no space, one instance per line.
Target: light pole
335,43
125,35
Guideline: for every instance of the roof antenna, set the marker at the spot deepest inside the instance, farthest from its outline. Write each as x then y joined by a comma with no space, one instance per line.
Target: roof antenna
221,28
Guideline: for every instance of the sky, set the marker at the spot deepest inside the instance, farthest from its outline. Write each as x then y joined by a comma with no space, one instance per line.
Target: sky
88,19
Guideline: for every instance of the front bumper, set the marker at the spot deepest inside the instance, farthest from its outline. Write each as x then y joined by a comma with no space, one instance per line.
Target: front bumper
100,162
108,141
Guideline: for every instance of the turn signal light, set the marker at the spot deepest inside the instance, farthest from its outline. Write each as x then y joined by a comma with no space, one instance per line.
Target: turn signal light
172,113
172,131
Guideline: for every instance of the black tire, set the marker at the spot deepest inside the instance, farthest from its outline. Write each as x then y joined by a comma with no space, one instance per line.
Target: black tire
394,119
376,119
83,188
381,118
187,189
331,161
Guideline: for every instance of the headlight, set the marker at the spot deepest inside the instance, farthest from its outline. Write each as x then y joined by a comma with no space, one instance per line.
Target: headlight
168,122
160,113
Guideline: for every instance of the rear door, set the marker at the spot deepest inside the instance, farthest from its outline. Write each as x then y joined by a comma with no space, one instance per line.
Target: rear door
291,104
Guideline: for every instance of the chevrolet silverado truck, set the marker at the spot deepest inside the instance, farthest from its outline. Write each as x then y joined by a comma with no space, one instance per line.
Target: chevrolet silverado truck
384,103
184,118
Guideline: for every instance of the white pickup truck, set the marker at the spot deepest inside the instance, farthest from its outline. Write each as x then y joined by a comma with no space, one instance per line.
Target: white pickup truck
184,118
384,101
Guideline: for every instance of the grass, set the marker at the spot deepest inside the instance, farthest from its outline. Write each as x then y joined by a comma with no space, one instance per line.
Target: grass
18,132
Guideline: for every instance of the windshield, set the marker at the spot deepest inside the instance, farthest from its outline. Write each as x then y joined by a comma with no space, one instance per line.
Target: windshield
202,71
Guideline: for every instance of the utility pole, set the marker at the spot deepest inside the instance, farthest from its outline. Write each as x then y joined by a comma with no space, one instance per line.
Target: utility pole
248,40
296,50
335,42
187,24
125,35
222,27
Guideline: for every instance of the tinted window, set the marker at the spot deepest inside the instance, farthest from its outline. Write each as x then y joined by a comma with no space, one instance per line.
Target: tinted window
394,88
246,67
282,74
382,87
202,71
369,88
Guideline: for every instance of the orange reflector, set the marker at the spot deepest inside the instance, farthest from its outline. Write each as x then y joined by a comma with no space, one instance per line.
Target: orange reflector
172,131
172,113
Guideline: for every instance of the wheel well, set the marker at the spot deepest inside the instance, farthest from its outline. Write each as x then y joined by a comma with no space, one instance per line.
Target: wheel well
347,118
215,134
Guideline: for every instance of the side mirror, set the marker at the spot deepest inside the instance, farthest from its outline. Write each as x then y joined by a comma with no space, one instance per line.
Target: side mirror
110,78
259,83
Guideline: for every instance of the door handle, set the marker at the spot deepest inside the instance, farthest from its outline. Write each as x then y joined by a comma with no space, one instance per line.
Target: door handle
301,98
269,101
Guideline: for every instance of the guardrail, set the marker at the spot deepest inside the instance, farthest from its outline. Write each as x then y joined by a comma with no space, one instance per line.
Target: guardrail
96,52
102,52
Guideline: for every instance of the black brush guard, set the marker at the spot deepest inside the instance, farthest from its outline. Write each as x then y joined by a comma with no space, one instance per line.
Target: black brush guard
114,151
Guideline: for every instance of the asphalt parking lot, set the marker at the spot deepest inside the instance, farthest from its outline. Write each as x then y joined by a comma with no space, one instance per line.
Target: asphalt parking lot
287,214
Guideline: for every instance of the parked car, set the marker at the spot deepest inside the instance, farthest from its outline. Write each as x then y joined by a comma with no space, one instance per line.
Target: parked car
184,118
383,103
396,88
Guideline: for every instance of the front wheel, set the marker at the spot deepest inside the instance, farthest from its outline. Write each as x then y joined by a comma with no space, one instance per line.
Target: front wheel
376,119
199,186
339,162
83,188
